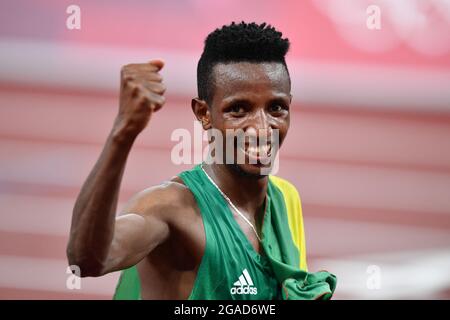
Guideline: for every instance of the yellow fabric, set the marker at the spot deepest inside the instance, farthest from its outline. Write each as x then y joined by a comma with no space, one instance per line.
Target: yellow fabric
295,217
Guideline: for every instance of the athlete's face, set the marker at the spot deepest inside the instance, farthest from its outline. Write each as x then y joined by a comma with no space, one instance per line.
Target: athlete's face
253,97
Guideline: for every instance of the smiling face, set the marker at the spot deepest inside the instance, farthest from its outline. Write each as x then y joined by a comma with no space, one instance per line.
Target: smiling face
252,97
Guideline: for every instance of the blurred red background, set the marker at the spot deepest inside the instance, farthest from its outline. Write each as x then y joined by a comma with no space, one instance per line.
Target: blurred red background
368,148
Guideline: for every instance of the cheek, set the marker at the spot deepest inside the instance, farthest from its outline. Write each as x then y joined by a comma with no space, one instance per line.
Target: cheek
216,119
283,130
224,121
219,120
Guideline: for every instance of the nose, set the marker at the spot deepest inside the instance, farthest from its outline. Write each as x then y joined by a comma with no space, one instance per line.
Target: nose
260,121
259,125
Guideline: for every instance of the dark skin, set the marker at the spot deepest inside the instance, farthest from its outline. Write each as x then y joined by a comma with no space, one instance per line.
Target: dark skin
160,229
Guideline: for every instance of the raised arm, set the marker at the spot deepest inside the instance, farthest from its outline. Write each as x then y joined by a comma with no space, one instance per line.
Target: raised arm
95,234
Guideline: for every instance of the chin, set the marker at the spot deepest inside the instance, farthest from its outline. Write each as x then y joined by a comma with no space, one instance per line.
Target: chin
257,171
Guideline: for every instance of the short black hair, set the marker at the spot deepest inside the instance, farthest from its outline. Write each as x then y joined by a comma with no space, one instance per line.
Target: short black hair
248,42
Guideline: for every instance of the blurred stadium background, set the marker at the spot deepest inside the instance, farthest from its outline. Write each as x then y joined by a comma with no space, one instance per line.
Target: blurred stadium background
369,146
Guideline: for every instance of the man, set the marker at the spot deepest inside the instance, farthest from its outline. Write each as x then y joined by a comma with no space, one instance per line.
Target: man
218,231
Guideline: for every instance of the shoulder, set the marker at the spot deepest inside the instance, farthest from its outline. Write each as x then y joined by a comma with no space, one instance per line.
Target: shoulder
289,195
164,200
286,188
294,214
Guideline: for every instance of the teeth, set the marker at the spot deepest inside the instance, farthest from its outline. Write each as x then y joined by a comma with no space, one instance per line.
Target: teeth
253,149
264,149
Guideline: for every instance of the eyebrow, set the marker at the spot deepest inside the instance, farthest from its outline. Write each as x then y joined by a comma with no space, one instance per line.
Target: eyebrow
280,97
237,101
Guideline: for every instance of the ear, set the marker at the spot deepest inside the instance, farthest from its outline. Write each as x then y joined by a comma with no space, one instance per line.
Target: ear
201,112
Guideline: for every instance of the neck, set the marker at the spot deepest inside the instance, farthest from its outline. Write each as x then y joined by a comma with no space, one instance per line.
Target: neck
248,193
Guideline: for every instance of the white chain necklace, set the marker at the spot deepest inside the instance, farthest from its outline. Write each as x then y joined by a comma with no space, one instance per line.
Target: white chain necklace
231,203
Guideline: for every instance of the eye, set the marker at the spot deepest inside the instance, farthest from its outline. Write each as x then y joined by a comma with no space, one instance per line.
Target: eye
278,108
236,109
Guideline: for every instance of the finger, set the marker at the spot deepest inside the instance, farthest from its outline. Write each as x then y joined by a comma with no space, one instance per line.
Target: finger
156,87
145,75
152,100
144,101
135,89
158,63
156,107
137,68
152,76
145,78
158,101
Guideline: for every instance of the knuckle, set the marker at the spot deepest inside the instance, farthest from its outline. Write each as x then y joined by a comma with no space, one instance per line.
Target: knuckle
127,79
158,77
144,100
156,98
159,89
161,99
134,89
125,68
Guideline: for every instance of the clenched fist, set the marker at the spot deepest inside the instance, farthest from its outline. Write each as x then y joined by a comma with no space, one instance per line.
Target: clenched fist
141,93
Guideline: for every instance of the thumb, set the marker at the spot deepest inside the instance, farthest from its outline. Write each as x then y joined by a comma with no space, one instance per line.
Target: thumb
158,63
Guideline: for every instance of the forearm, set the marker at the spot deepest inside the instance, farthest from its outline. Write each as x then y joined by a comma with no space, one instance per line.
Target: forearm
94,212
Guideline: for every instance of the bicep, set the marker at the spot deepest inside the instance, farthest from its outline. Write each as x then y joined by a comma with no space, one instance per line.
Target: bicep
135,236
143,224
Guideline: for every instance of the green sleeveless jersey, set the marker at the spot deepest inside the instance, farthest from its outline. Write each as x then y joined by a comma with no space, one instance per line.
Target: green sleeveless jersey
231,269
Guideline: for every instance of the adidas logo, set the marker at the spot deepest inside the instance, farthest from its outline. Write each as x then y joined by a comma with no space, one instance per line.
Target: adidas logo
244,285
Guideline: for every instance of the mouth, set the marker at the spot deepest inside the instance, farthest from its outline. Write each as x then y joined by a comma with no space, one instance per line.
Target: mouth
258,154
